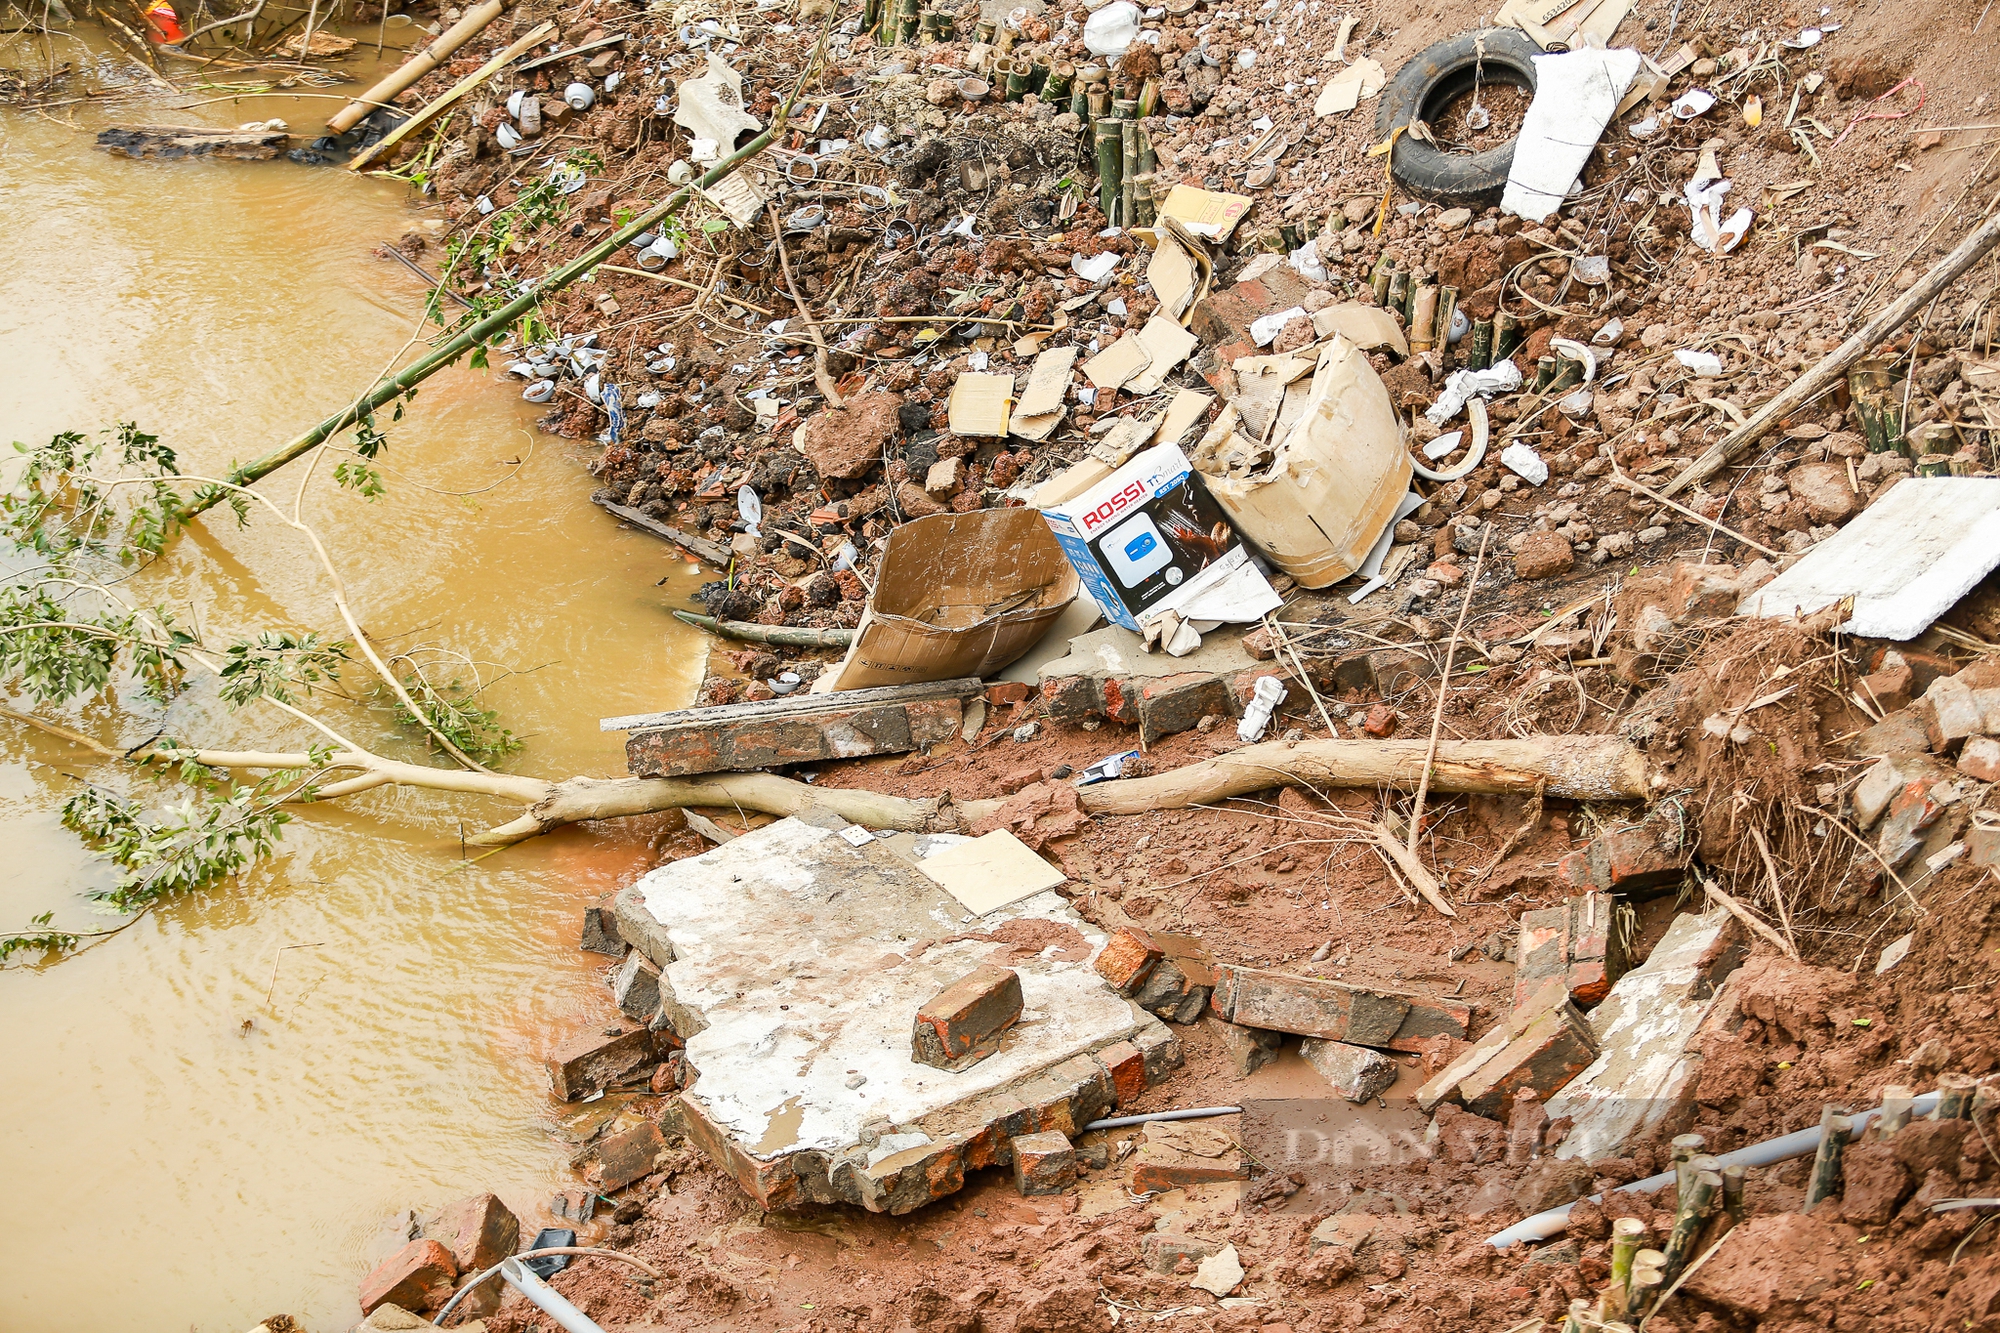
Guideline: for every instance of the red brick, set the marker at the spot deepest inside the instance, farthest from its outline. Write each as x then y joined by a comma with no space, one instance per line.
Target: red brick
624,1158
1950,713
1176,1154
593,1062
418,1277
1308,1006
1176,703
1178,987
742,737
1120,700
1261,644
1009,692
1071,698
1542,1046
1043,1164
1126,958
964,1023
479,1232
1702,592
1887,689
1225,316
1125,1065
1380,722
1574,942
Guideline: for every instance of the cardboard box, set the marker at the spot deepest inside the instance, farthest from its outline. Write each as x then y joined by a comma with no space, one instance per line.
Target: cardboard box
1148,539
957,595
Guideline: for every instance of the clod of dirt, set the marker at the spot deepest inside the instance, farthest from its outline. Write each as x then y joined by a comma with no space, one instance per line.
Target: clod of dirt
846,442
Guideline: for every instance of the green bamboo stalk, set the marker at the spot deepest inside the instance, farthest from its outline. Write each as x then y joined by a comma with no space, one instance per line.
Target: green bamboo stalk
1110,157
493,325
1954,1096
1703,1187
1482,345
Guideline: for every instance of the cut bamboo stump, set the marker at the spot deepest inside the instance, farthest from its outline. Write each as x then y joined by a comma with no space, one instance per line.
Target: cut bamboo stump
1834,1127
170,142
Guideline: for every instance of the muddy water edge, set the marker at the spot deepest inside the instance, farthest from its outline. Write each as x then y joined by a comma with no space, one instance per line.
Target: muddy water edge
223,1110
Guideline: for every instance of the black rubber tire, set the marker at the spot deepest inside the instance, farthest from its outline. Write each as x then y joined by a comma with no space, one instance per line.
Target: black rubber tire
1421,89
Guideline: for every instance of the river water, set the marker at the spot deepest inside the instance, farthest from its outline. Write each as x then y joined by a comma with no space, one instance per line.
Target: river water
217,1114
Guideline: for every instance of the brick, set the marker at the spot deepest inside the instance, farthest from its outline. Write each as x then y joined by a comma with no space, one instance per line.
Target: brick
1886,779
1982,845
479,1232
1248,1049
1950,713
418,1277
1980,759
1542,1045
1899,735
575,1205
796,729
1071,698
1261,644
1911,811
1390,671
624,1158
1543,555
1161,1051
1573,941
635,986
1641,858
1356,1073
1223,319
594,1062
1701,592
1888,689
1125,1065
600,932
964,1023
1176,1154
1043,1164
1172,704
1429,1019
1308,1006
1163,1251
1179,985
1007,693
1126,959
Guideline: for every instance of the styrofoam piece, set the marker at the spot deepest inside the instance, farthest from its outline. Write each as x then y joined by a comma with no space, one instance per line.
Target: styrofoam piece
1906,559
1575,94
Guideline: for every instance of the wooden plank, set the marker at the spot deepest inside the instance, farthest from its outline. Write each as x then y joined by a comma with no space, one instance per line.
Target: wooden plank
700,547
849,724
177,141
450,97
554,56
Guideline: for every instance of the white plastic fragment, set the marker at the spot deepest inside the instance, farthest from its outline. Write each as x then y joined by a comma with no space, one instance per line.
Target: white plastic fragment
750,509
1111,31
1525,463
1704,364
1711,231
1443,445
1094,268
1463,384
1257,715
1265,328
1693,102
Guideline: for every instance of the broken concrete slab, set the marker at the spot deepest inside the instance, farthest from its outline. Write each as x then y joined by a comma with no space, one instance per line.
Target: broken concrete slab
795,729
1540,1046
792,961
1906,559
1643,1079
1311,1007
1356,1073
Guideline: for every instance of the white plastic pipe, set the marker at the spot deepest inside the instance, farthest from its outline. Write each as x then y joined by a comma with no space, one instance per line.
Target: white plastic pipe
1195,1113
551,1300
1771,1151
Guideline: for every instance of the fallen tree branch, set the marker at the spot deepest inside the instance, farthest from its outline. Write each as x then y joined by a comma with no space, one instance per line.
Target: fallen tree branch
1836,363
1750,919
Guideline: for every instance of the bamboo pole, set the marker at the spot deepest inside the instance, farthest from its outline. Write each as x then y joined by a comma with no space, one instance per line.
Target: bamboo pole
457,35
450,98
1834,1127
494,324
1834,364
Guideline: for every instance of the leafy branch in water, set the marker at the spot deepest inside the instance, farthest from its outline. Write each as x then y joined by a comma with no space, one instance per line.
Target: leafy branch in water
40,938
451,706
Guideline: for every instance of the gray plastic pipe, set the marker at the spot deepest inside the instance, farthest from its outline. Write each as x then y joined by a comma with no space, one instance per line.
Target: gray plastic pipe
552,1301
1196,1113
1782,1149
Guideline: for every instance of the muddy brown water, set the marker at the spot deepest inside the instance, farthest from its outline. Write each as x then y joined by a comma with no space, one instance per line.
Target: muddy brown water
219,1113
